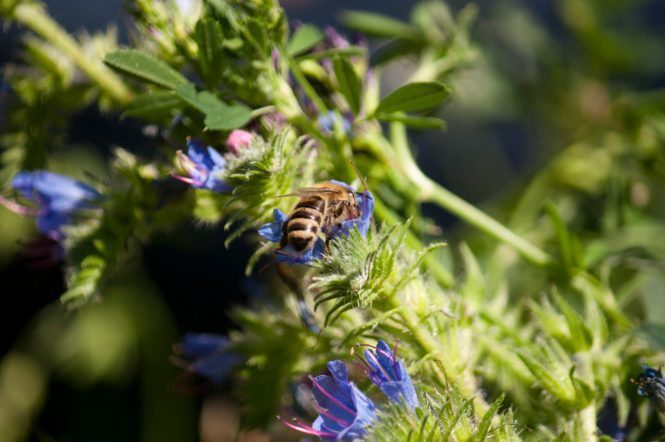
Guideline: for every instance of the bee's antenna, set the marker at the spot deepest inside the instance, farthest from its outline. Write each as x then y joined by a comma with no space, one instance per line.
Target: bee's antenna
362,181
360,177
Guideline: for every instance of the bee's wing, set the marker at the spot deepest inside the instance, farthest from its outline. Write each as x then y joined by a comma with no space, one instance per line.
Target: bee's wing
305,191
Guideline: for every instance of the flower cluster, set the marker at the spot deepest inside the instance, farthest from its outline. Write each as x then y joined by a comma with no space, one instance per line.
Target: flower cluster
274,231
345,412
57,198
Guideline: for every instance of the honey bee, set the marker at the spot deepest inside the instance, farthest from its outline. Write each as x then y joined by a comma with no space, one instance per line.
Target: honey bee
321,208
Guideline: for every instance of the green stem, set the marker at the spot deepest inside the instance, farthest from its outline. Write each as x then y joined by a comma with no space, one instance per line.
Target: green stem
34,17
304,83
430,191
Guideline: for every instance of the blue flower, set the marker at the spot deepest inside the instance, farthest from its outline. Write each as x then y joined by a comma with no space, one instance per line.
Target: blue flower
330,119
209,356
389,374
274,231
204,165
345,411
57,198
650,383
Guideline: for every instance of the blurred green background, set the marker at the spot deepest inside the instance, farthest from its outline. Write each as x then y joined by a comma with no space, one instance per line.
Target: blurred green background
549,75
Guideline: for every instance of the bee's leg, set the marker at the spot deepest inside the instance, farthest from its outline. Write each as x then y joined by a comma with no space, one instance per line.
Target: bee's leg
288,278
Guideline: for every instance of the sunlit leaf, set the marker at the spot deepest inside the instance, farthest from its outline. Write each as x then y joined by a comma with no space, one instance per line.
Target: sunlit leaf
414,97
146,67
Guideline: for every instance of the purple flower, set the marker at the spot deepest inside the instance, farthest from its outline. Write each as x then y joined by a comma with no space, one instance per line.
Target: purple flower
329,120
650,383
204,165
208,356
389,374
344,411
57,198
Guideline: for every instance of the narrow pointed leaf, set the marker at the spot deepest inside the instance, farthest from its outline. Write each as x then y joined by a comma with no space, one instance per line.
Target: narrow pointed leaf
146,67
349,82
304,39
414,97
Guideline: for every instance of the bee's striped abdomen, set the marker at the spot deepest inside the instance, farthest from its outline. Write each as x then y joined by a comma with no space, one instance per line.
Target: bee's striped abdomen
302,226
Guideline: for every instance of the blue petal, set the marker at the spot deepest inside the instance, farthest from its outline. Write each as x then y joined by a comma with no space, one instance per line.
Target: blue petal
344,402
217,366
205,156
366,414
209,355
401,391
50,223
339,372
215,184
366,204
390,375
273,231
54,191
197,345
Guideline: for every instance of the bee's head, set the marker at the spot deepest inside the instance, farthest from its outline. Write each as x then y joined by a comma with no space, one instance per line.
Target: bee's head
355,207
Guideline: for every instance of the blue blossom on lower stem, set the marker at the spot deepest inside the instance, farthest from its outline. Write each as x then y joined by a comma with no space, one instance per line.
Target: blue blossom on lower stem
389,374
209,356
344,411
204,167
57,197
650,383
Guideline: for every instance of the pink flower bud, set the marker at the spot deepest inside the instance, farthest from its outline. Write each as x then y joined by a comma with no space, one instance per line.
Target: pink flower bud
238,139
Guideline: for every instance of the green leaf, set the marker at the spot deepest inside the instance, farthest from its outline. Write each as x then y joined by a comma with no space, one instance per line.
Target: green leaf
415,121
228,117
414,97
484,425
580,336
153,105
349,82
556,387
85,281
146,67
219,116
304,39
379,25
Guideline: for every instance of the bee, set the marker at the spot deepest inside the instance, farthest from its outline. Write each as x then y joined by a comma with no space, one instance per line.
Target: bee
321,208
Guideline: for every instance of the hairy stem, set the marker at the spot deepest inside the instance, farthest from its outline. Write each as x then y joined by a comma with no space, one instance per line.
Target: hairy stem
430,191
34,17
